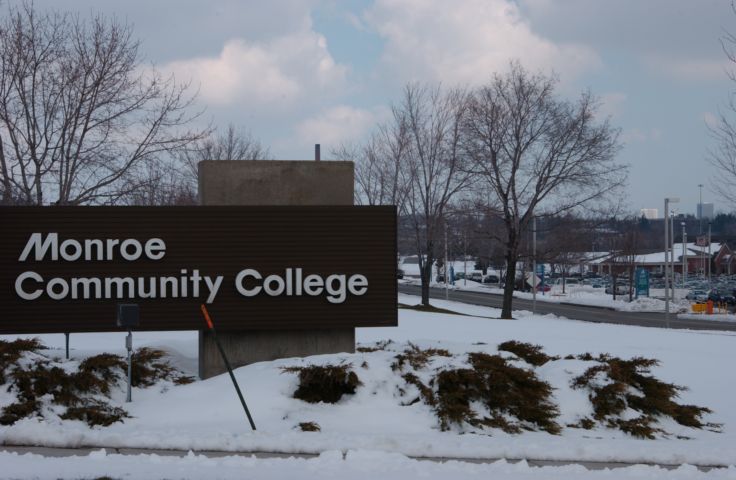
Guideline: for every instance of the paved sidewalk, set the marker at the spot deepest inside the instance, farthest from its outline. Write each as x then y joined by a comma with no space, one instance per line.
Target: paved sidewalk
84,451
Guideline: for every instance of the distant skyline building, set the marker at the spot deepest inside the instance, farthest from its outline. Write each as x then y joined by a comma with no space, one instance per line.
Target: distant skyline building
650,213
705,210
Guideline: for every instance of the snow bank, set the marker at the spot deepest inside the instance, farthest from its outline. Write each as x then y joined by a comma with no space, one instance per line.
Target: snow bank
207,415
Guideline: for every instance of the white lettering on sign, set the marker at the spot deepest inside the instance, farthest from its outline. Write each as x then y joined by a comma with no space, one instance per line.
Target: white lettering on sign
336,286
31,285
39,247
249,282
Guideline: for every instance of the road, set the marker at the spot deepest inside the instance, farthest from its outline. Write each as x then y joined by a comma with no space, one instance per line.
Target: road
577,312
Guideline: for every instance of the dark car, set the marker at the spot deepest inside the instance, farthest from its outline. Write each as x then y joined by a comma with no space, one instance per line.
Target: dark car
621,289
399,273
491,279
721,297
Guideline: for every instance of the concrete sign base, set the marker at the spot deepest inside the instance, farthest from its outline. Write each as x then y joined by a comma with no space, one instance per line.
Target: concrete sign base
273,182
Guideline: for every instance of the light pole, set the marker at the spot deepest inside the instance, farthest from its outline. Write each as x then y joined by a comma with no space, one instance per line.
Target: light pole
684,255
700,229
667,202
447,270
700,210
534,264
709,256
465,257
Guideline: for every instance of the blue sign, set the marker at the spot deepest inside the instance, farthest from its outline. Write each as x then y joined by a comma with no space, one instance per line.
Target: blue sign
642,283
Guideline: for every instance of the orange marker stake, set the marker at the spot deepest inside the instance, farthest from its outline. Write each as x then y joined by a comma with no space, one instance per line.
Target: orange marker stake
211,326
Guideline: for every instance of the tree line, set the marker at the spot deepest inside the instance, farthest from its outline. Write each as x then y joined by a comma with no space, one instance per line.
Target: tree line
503,153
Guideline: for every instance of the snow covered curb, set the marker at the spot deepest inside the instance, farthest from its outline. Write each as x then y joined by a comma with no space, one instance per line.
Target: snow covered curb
534,445
716,317
354,464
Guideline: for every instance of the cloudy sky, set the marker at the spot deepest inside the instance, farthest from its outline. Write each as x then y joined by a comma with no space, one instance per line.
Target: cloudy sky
299,72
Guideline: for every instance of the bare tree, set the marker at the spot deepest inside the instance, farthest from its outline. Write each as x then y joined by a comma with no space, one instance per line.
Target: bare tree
435,165
723,157
380,176
79,113
162,183
232,144
537,154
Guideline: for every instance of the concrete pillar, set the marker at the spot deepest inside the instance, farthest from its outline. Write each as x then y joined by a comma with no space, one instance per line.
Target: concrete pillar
273,182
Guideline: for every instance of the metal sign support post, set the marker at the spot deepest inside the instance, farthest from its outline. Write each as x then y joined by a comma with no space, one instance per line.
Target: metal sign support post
129,317
211,326
66,341
129,347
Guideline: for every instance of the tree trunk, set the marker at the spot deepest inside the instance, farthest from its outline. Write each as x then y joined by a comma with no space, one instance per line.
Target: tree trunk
508,289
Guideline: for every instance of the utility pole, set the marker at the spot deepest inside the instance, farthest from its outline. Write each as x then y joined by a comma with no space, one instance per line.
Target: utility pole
666,264
684,255
447,270
700,228
700,210
672,252
666,261
709,255
465,257
534,264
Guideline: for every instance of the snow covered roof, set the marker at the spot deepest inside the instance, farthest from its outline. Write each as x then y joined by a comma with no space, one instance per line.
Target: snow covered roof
657,258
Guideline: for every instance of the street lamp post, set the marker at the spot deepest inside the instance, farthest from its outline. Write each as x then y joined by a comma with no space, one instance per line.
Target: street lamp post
700,210
465,257
534,265
447,270
684,255
700,228
667,202
709,255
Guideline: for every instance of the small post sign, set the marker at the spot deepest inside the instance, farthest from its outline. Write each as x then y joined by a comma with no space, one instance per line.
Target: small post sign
642,283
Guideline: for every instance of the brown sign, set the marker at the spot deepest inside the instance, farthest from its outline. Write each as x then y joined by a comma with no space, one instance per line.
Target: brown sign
64,269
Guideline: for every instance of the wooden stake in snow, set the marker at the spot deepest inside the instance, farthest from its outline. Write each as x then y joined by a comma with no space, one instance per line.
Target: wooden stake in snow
211,326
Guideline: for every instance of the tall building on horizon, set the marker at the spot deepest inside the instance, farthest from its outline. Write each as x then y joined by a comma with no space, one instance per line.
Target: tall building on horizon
705,210
650,213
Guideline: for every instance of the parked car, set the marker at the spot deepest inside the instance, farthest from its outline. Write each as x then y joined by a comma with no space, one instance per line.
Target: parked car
475,276
491,279
543,288
621,289
399,273
697,295
721,297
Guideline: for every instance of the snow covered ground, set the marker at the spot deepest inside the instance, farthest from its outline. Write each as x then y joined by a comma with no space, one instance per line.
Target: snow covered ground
373,426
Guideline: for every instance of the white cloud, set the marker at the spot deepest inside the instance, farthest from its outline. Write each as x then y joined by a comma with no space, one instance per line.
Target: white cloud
276,73
338,124
466,41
